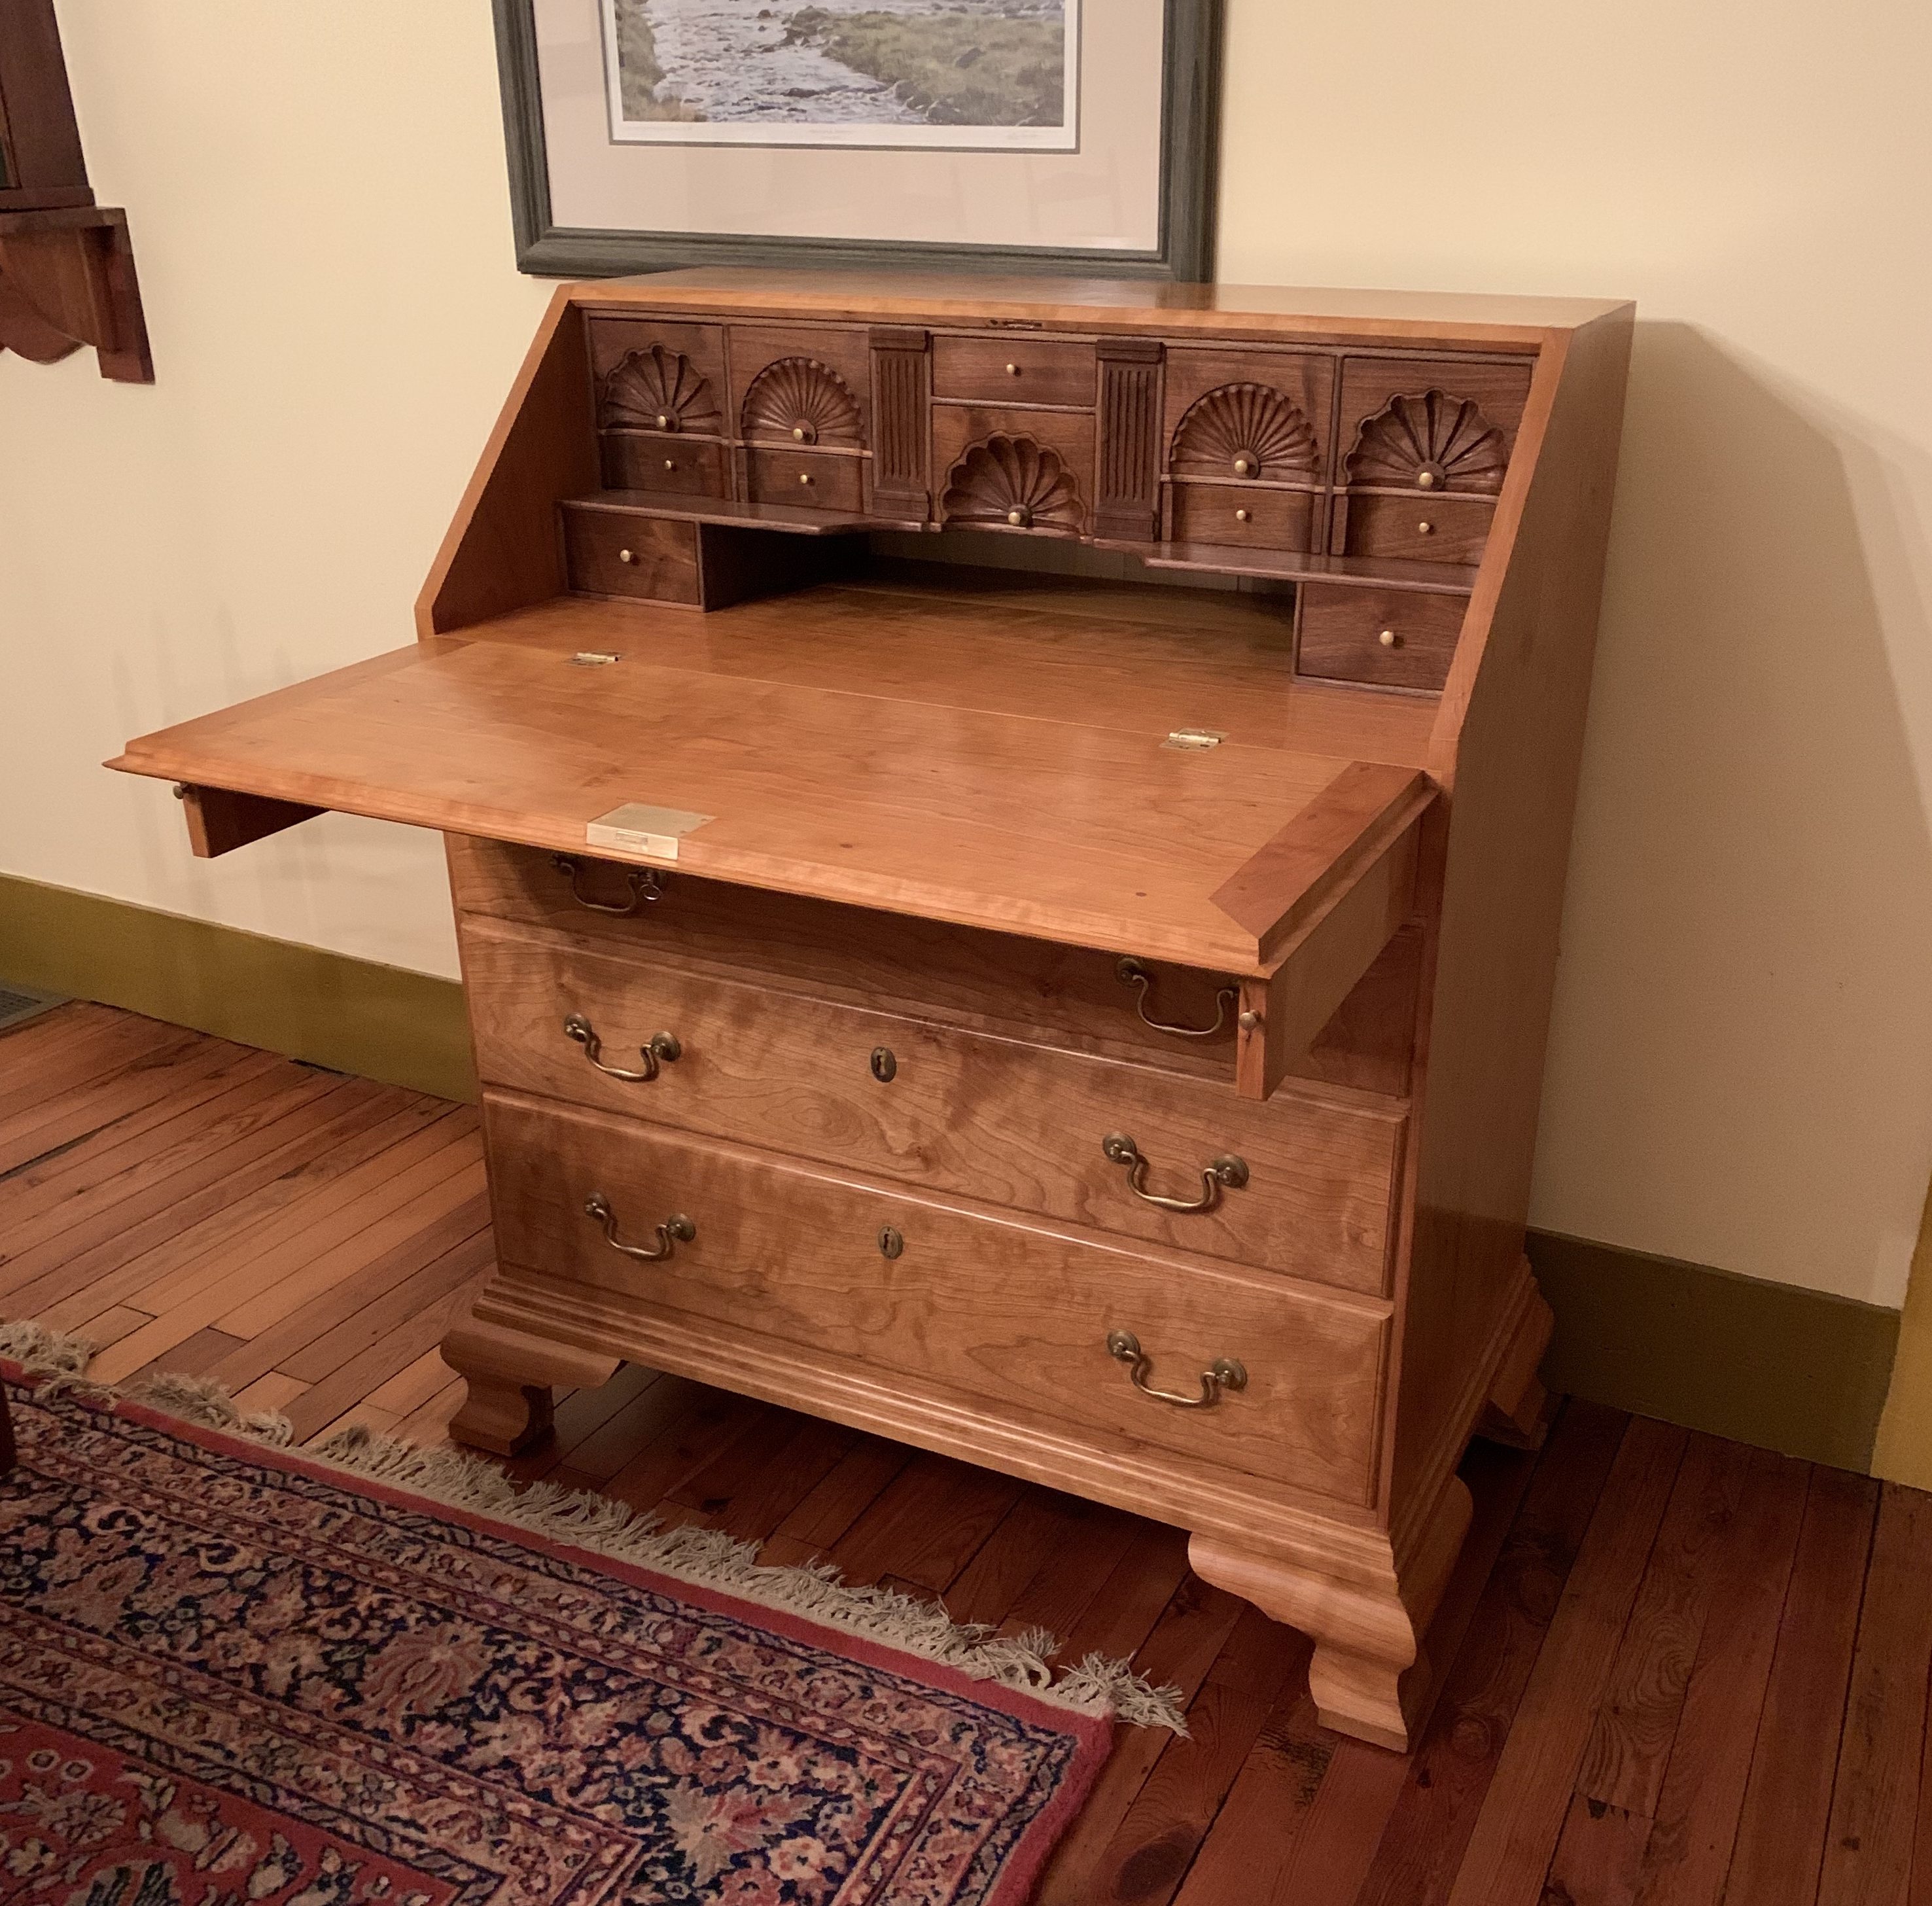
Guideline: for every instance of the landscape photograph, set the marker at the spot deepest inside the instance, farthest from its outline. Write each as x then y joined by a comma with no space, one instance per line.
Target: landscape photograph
913,73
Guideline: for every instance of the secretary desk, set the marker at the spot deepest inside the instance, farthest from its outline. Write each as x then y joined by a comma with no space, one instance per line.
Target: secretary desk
1007,838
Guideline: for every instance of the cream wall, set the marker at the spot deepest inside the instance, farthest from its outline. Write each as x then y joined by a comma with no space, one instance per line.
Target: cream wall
1741,1069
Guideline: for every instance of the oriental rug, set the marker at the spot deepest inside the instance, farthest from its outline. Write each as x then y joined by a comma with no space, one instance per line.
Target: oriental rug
233,1675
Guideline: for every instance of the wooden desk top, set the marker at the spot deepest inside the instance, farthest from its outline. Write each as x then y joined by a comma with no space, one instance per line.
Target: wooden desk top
993,757
1110,304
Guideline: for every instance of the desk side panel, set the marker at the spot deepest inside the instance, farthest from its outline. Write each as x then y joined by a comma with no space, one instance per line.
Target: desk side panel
1496,850
504,551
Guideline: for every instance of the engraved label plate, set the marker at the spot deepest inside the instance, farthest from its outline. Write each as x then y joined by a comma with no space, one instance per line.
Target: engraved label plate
639,828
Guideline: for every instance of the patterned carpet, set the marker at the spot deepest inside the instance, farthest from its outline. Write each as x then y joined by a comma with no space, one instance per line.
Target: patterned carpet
230,1677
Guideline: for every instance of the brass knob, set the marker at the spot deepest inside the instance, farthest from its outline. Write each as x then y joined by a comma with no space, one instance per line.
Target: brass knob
1017,518
1241,515
627,556
1249,1022
671,463
805,476
1243,465
664,420
1425,479
1425,529
1388,638
798,432
1012,370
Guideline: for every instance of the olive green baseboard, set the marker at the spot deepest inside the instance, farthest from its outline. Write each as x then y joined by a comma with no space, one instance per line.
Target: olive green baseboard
353,1015
1799,1371
1794,1371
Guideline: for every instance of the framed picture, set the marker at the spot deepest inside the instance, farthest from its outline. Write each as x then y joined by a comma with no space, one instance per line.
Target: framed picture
1056,136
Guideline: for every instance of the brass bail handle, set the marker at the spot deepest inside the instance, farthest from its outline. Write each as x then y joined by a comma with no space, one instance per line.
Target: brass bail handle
1130,972
1222,1375
643,884
677,1230
664,1047
1227,1172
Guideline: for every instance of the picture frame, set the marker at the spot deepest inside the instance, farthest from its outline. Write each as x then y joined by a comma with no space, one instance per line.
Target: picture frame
1176,218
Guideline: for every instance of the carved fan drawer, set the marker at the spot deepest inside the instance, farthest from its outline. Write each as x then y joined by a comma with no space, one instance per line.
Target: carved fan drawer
608,553
1430,426
1020,469
805,479
1034,990
1266,409
800,384
1301,1184
1426,530
927,1297
649,368
1243,516
1401,638
1015,370
670,466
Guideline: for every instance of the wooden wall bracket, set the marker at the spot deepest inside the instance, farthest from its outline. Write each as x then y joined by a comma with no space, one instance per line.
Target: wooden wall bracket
66,280
66,268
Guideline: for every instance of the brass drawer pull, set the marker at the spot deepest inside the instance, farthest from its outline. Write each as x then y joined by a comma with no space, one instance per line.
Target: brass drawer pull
675,1230
1227,1171
643,884
1223,1374
663,1045
1131,973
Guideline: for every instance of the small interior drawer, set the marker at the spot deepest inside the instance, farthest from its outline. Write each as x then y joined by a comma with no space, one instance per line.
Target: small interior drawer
610,552
804,479
1243,515
1421,529
1018,370
670,465
1397,638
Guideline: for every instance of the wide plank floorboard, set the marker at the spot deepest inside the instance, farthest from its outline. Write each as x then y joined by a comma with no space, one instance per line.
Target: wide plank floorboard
1673,1671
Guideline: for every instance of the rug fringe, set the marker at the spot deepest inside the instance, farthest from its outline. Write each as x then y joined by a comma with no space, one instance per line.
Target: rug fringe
707,1558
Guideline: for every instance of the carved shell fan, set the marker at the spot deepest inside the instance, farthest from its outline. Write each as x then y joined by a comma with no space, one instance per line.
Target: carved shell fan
1014,481
1245,430
657,389
1429,441
802,400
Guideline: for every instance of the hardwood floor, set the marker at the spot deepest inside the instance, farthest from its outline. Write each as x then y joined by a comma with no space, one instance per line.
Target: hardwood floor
1675,1670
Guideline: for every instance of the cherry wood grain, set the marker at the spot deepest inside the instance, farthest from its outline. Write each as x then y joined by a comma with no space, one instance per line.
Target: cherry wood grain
790,1255
956,1112
1082,834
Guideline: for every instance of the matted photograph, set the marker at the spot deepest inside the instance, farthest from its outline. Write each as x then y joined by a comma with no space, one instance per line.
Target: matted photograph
996,74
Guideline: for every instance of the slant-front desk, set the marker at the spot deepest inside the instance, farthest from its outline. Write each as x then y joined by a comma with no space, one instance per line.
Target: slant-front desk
1007,840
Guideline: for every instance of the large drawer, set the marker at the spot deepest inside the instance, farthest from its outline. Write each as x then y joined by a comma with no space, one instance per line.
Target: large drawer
1068,996
936,1297
958,1112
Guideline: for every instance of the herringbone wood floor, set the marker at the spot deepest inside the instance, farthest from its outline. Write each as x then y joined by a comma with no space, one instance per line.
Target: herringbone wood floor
1677,1669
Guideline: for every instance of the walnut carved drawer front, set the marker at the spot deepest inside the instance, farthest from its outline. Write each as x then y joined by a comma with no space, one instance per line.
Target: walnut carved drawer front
609,553
1244,516
671,465
1021,369
928,1295
1401,638
1301,1185
1177,1017
805,479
